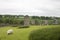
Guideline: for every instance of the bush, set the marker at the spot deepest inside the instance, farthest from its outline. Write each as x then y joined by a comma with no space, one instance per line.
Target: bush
46,34
14,25
24,27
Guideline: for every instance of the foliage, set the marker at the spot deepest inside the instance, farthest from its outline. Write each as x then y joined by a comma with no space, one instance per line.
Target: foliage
48,33
23,26
19,19
37,22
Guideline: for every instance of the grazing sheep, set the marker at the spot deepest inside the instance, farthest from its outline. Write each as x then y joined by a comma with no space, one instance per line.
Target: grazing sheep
10,31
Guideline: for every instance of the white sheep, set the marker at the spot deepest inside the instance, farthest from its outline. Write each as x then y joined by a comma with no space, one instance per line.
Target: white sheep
10,31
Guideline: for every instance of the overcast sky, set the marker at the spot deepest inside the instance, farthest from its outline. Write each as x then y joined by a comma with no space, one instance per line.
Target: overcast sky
30,7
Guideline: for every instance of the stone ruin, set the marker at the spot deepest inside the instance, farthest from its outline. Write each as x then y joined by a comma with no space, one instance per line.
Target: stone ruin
26,20
46,22
55,21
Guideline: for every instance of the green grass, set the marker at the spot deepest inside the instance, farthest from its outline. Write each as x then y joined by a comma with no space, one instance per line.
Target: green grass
46,33
19,34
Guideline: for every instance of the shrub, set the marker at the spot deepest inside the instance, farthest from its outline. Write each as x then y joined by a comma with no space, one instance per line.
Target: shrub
24,27
46,34
14,25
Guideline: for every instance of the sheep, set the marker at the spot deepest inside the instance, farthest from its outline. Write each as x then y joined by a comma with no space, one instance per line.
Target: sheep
10,31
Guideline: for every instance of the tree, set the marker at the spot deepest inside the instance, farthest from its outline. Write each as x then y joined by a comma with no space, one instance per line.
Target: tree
37,22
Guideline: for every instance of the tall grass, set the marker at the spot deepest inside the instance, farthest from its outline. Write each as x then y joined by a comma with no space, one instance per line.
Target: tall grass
46,33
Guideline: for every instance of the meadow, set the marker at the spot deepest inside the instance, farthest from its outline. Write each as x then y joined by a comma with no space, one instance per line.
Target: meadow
20,33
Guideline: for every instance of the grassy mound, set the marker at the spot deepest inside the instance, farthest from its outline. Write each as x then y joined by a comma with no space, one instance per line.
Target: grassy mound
48,33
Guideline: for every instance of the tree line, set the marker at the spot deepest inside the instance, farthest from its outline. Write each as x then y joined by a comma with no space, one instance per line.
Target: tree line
19,19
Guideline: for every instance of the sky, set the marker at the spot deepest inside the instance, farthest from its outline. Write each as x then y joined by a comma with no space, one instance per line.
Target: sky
30,7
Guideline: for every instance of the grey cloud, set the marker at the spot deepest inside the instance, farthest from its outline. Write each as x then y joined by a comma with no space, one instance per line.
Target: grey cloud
48,7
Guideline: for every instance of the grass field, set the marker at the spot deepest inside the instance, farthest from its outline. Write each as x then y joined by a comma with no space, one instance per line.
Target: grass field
19,34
